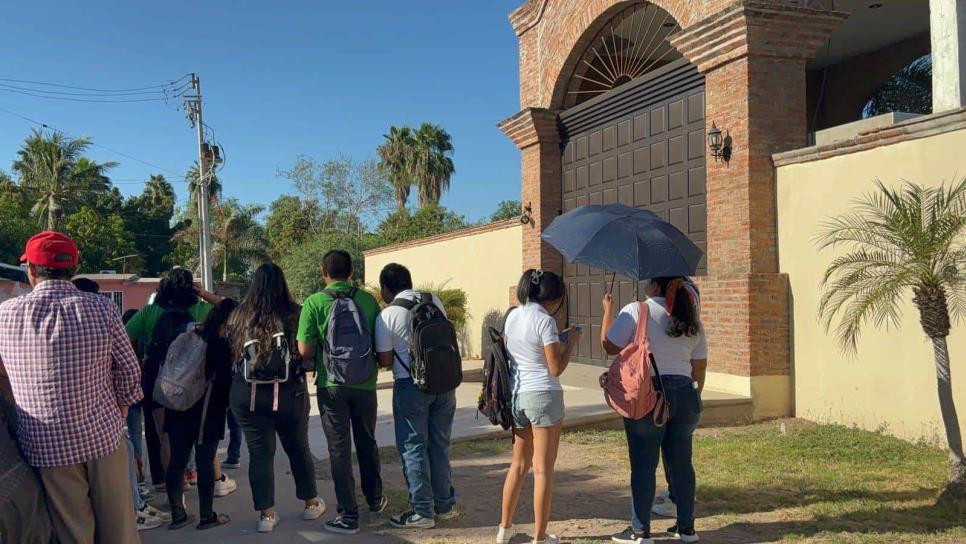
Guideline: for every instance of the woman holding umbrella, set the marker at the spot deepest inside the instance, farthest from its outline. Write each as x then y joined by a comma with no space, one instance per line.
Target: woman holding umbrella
680,351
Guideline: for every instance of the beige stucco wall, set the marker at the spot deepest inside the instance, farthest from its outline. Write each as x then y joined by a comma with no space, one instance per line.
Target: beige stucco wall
484,264
891,384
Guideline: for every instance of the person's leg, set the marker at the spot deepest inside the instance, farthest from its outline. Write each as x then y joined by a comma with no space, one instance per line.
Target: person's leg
259,431
133,474
234,440
152,441
644,447
135,431
158,415
517,474
667,473
546,441
110,491
678,438
441,413
205,461
363,412
68,498
338,434
293,433
180,444
411,418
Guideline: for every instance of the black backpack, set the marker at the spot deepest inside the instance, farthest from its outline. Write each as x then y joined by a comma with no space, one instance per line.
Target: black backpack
496,398
434,355
172,323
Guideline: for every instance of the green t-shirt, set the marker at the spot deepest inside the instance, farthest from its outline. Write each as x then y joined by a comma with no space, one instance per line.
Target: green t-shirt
141,326
314,323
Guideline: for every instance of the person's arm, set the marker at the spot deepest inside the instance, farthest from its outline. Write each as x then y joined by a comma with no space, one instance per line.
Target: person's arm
605,325
699,369
384,341
308,332
557,354
207,296
125,370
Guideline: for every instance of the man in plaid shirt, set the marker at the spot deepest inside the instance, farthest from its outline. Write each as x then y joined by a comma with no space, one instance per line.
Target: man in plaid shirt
73,374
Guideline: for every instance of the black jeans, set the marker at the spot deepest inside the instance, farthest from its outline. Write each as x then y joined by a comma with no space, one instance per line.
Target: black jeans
234,439
181,445
290,422
348,413
645,442
152,441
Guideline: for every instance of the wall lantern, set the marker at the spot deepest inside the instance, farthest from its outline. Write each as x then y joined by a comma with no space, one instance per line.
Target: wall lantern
719,145
527,216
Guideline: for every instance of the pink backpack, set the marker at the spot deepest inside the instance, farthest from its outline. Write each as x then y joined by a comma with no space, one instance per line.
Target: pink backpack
628,387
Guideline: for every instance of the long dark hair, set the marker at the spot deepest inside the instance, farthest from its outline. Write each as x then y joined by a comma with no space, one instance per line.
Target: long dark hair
218,316
176,290
267,306
685,320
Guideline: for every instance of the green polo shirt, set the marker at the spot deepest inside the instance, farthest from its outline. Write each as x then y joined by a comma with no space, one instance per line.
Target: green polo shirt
141,325
314,322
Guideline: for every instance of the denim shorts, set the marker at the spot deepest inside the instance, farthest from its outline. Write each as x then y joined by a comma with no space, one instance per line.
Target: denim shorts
537,408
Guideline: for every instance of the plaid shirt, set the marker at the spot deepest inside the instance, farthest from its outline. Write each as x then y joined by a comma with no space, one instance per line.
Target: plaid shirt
71,366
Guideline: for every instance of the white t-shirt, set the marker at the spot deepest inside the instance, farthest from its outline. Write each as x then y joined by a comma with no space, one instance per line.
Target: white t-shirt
392,331
527,330
673,355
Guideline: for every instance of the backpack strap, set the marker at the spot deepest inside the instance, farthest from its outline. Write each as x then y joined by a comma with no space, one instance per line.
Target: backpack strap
645,315
404,303
333,294
352,292
426,298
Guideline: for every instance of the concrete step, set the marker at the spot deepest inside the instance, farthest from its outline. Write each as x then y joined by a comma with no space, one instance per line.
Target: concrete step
472,372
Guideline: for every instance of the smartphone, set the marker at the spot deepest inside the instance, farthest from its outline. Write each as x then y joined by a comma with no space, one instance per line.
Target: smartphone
565,335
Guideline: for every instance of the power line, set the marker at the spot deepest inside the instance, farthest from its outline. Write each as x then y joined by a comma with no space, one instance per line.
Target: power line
166,91
71,99
28,82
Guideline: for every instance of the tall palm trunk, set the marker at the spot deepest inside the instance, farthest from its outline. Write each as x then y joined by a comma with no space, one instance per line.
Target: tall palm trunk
224,268
934,318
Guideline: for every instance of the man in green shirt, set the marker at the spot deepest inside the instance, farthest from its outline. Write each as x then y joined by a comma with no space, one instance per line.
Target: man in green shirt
348,411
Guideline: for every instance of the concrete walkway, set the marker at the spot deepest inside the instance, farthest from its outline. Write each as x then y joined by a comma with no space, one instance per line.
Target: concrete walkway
585,406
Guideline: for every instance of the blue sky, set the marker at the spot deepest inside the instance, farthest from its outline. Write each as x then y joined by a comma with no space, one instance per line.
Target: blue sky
279,79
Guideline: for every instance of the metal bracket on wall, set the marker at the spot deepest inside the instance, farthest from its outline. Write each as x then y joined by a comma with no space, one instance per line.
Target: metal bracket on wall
527,217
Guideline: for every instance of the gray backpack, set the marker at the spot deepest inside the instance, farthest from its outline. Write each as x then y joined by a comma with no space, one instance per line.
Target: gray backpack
181,382
349,357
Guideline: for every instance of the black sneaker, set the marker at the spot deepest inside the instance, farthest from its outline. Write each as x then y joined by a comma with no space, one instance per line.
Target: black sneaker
380,506
412,520
630,536
343,525
684,535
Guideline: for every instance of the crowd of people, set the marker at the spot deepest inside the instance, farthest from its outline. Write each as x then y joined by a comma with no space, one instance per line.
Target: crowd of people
95,393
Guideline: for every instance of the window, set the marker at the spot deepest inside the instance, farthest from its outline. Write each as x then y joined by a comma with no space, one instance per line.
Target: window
117,297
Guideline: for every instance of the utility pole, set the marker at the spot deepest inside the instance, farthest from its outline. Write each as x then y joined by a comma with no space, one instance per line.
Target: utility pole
205,167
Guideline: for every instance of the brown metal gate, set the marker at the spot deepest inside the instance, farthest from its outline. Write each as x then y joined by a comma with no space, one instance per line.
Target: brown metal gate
643,145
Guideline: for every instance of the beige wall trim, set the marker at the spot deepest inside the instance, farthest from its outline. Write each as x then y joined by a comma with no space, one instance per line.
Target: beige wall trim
729,383
913,129
471,231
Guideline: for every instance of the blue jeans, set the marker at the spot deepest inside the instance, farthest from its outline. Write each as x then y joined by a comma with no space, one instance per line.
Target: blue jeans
636,521
645,442
423,426
234,438
135,429
133,474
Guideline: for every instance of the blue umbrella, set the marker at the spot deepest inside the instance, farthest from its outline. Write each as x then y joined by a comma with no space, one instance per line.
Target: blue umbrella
623,240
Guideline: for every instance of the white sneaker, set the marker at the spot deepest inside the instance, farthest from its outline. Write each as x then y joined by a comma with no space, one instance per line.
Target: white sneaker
504,535
314,511
149,510
224,486
551,539
664,506
683,536
145,522
267,524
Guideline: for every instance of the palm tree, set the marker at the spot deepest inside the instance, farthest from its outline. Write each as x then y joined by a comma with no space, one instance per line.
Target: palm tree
908,91
431,165
214,186
52,170
237,234
906,239
394,157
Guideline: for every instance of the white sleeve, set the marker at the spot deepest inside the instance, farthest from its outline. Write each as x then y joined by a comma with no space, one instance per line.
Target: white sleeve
383,334
700,350
547,329
624,328
439,304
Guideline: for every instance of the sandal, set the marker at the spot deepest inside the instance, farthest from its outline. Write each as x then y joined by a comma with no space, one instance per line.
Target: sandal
216,520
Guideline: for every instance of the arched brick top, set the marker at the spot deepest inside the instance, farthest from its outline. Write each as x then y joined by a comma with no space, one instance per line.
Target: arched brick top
554,33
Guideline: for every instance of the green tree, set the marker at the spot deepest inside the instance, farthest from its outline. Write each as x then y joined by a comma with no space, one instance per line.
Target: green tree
290,222
427,221
214,186
148,216
908,91
303,265
508,209
394,158
55,175
100,239
430,164
16,225
238,238
909,239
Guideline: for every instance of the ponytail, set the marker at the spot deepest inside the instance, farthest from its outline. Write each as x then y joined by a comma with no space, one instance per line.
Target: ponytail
680,304
539,286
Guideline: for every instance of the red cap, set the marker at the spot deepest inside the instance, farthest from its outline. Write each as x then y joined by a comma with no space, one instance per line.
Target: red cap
51,249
